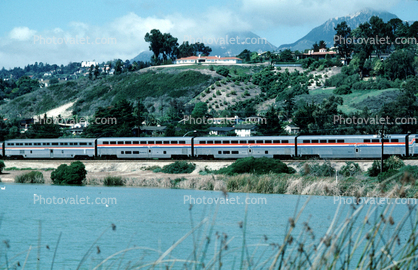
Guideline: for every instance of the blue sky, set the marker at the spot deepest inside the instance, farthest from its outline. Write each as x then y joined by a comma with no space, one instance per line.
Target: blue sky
122,24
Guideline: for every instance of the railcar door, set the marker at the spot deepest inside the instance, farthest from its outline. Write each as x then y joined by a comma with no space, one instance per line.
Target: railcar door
51,153
249,151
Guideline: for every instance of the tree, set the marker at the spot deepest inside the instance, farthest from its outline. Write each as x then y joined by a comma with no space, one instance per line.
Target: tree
69,175
91,72
118,67
400,64
272,125
156,40
96,71
343,33
169,49
193,49
286,56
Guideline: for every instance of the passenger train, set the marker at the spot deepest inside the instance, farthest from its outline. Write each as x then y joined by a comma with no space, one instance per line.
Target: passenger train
323,146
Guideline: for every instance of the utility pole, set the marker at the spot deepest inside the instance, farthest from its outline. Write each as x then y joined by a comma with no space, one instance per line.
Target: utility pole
382,137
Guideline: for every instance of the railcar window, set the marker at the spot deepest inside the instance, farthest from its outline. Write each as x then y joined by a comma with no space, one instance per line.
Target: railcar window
142,142
276,141
243,142
83,143
340,141
394,140
122,152
306,141
366,140
128,152
266,152
219,152
75,143
165,152
259,141
159,142
285,141
90,143
209,142
128,142
375,140
251,141
150,142
217,142
136,152
54,143
103,143
226,152
331,141
64,143
166,142
182,142
173,142
225,142
323,141
235,152
112,142
26,143
267,141
385,140
119,142
10,144
37,143
202,142
234,141
314,141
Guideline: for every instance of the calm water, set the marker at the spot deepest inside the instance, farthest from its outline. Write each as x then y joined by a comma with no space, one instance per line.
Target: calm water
153,218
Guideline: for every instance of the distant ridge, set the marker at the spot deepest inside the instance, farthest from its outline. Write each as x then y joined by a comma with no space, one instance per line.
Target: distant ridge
326,31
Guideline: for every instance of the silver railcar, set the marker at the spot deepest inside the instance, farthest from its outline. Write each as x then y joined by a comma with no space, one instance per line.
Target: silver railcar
50,148
351,146
144,147
241,147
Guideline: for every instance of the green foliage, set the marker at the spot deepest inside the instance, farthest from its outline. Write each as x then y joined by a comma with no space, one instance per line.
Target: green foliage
391,164
350,169
33,177
256,166
69,175
342,90
2,166
223,71
179,167
114,181
318,170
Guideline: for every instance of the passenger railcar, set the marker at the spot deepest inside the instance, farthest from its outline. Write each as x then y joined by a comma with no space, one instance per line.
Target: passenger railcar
49,148
352,146
241,147
144,147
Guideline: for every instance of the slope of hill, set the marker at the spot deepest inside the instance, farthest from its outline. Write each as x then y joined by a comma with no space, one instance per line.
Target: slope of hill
155,86
326,31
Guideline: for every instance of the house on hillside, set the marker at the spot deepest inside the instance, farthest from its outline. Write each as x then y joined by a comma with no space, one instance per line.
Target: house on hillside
319,55
208,60
245,130
220,131
292,129
154,130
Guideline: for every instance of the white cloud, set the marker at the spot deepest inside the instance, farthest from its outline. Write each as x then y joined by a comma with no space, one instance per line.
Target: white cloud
300,12
21,33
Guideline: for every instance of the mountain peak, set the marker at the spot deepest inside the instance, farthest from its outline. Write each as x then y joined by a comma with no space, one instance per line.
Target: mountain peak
326,31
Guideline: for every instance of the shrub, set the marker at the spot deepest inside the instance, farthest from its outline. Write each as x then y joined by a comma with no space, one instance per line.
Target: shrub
262,165
33,177
390,164
342,90
233,92
2,166
318,170
179,167
69,175
374,170
211,68
223,71
218,92
350,169
114,181
218,83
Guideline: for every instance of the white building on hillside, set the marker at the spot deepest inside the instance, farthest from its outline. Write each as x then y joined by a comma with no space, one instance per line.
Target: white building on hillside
88,63
208,60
